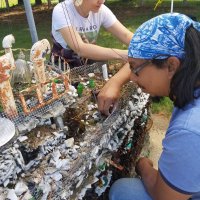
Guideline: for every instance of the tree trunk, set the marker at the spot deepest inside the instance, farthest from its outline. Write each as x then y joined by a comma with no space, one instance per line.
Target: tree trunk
142,2
7,4
49,4
38,2
20,2
185,2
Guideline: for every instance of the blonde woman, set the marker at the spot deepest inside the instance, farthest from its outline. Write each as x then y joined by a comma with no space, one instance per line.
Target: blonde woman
75,28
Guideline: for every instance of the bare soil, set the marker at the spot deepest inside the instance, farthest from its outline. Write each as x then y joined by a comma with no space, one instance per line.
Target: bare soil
157,133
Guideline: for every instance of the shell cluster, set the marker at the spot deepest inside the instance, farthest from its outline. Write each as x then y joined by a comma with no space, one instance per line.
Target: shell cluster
62,167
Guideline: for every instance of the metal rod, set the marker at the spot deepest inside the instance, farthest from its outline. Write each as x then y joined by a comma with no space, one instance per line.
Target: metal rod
31,22
172,6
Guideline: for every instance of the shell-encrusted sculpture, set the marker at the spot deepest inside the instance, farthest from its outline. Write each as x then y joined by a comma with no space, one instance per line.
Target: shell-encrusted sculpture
37,55
67,166
6,94
21,74
7,45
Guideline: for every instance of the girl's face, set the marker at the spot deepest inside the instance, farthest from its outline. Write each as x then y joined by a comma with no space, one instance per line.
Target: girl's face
151,79
94,4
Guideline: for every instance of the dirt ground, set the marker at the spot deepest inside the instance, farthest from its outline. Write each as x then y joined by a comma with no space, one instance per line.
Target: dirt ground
157,133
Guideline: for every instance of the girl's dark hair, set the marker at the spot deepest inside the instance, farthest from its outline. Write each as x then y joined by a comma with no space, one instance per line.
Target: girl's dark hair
187,77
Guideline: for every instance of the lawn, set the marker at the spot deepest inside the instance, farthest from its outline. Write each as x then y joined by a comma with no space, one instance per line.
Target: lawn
14,2
130,13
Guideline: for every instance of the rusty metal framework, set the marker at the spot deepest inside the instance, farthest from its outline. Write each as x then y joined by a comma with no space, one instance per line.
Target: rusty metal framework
15,107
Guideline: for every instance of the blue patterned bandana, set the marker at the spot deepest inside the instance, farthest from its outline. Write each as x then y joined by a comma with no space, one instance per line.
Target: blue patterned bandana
161,35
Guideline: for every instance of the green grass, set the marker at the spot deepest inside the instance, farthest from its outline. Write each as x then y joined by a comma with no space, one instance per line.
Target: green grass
130,13
164,107
14,2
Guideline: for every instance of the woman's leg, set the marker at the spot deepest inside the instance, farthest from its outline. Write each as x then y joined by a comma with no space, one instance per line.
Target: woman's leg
128,189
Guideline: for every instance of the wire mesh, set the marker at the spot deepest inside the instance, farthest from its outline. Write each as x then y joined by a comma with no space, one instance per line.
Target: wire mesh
99,137
32,100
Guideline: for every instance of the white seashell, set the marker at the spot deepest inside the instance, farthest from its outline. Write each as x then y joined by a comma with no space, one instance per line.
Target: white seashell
90,165
56,176
20,188
53,126
27,196
16,146
83,144
78,173
6,182
22,175
69,142
82,193
22,138
80,181
11,195
95,151
139,90
63,164
91,75
38,134
95,179
72,88
132,107
135,96
76,147
70,93
3,193
131,123
127,113
91,107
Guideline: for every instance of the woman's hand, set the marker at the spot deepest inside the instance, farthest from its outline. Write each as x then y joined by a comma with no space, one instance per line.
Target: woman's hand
110,93
108,96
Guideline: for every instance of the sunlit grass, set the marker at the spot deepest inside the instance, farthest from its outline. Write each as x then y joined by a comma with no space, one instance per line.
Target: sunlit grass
14,2
164,106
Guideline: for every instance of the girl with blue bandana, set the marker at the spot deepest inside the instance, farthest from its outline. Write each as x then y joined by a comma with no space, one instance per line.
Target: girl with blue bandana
164,60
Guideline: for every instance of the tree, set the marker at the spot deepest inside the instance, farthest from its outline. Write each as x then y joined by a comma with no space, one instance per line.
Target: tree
49,4
20,2
185,2
38,2
7,4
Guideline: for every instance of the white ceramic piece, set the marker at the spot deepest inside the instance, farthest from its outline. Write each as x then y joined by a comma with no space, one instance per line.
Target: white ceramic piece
7,131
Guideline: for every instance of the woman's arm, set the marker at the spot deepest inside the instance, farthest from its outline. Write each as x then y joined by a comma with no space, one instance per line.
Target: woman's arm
154,183
91,51
110,93
121,32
